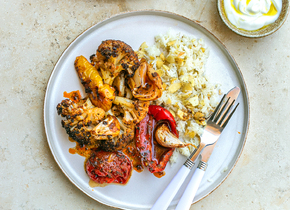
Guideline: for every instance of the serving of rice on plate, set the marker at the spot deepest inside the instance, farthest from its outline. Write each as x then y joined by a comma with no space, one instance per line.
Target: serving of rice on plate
189,96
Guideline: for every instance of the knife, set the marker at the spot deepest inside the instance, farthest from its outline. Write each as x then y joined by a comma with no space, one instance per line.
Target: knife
192,187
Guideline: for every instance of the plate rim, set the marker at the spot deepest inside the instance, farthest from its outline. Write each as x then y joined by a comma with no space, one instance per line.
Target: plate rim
162,13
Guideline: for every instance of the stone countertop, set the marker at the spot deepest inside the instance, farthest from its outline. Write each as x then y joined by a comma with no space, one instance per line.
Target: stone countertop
33,34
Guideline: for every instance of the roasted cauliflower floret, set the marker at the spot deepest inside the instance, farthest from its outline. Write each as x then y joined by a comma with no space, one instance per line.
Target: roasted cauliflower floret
122,89
107,128
83,110
133,110
146,84
120,85
86,123
114,56
101,95
122,140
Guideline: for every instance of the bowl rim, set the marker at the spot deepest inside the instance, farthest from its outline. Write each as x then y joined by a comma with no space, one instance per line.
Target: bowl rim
265,31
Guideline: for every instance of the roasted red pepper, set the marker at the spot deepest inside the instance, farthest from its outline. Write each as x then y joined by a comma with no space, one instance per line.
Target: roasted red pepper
153,155
159,113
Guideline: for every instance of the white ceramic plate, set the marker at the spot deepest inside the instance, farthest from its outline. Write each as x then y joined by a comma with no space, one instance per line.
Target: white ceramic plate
144,188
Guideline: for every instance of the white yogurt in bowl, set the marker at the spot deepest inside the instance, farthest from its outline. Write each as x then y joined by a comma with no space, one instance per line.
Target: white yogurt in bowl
252,14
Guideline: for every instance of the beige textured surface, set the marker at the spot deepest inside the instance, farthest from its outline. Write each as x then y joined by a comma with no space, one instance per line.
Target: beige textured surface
33,35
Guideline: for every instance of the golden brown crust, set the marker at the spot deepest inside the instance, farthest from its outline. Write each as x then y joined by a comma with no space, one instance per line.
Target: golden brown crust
133,110
121,141
86,123
101,95
114,56
106,129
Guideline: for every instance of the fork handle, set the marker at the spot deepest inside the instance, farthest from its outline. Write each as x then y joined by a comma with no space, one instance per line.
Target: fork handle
168,194
190,191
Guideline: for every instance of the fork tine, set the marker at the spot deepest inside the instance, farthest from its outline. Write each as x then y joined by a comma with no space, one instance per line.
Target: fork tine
224,114
217,108
229,117
221,111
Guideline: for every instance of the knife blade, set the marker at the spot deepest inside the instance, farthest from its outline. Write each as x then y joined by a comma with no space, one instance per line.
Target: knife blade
191,189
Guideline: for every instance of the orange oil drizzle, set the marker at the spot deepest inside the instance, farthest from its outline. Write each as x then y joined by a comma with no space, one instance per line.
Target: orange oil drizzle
75,96
159,174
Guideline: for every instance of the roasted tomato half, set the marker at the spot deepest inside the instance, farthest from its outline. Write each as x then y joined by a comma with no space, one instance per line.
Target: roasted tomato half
109,167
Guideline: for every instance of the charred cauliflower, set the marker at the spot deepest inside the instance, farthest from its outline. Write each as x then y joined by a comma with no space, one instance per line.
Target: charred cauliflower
121,87
104,119
86,123
133,110
114,56
122,140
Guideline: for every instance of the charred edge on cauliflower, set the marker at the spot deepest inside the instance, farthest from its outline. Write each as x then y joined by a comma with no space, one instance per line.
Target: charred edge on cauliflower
120,142
78,134
80,119
133,110
115,56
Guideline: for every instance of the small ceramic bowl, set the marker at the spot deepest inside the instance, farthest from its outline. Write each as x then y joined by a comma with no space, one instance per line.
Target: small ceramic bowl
265,31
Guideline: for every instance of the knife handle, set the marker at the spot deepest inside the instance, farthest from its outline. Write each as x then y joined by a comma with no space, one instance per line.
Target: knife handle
168,194
190,191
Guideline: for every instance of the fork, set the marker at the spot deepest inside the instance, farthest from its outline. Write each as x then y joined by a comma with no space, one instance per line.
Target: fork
215,125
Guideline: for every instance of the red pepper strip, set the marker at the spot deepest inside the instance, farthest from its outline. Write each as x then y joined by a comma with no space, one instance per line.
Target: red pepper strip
159,113
143,142
154,155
